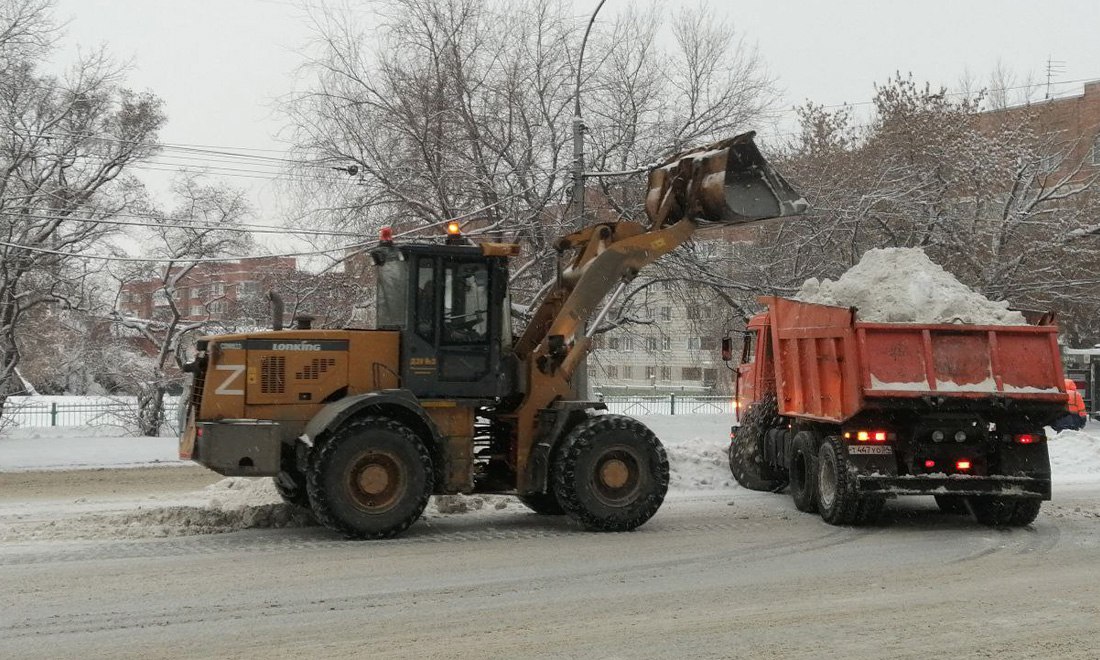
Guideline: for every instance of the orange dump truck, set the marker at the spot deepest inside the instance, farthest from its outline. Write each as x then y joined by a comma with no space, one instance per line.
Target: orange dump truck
849,413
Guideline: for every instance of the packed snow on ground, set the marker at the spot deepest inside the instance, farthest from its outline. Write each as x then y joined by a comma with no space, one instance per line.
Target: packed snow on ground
67,448
696,447
902,285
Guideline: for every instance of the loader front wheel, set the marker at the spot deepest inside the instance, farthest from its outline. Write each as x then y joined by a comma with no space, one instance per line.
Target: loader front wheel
370,479
745,452
610,473
544,504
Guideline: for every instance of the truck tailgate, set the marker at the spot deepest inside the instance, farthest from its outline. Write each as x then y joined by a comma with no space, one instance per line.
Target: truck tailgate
906,360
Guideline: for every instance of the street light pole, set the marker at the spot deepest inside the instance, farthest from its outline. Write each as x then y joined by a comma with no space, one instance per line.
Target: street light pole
578,131
580,376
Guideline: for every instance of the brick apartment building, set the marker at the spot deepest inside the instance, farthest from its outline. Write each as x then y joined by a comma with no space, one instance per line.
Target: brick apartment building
1072,121
215,291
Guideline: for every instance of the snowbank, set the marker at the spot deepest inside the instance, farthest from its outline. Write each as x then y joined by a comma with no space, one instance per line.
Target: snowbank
902,285
1075,455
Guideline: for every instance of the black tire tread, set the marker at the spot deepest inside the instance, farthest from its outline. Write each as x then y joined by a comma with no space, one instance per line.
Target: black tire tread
744,458
803,486
992,511
1026,512
578,441
292,487
846,510
322,454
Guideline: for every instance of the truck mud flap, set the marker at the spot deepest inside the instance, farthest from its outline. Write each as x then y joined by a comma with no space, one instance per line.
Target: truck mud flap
1001,486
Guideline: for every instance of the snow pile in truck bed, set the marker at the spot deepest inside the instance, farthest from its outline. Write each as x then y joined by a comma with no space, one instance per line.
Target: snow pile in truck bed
902,285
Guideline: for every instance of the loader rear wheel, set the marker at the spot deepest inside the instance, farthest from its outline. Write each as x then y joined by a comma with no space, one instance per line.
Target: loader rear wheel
610,473
803,472
544,504
370,479
745,456
291,486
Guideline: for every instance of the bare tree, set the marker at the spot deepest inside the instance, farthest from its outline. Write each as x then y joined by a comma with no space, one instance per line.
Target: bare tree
183,241
441,113
997,198
64,145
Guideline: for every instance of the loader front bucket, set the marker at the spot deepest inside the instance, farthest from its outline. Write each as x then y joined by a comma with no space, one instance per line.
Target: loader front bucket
729,183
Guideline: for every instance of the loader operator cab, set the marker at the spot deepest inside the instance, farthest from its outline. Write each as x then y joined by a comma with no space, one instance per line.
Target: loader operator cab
450,303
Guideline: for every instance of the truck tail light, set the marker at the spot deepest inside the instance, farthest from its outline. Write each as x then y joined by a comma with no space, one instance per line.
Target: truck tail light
962,465
1026,438
929,464
867,436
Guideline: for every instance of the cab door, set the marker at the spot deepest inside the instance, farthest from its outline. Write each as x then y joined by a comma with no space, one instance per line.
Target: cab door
452,346
746,372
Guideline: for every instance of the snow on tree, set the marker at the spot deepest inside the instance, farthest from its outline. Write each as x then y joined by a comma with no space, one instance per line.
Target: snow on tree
201,226
65,143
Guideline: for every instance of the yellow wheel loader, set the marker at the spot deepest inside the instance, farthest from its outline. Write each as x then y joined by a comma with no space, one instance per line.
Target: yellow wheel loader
363,426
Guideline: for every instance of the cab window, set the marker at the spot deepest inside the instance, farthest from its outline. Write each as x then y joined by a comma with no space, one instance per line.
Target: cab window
748,349
465,303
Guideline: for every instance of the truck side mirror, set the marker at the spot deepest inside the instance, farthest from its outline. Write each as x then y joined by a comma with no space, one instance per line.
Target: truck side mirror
727,348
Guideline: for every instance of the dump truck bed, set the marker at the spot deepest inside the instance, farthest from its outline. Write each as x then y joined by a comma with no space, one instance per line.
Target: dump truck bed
829,366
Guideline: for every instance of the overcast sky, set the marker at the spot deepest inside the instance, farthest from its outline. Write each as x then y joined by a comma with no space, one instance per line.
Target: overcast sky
220,65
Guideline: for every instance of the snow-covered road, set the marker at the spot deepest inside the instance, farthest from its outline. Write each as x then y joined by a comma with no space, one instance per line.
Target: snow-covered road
175,561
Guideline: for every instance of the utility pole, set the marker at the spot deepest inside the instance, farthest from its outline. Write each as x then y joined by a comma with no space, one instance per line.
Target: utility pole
580,376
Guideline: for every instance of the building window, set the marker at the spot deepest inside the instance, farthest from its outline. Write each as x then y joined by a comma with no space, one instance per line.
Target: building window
248,288
694,312
666,343
666,313
612,371
666,373
197,310
691,373
628,372
219,307
708,343
651,373
627,344
651,343
613,343
694,343
217,289
710,376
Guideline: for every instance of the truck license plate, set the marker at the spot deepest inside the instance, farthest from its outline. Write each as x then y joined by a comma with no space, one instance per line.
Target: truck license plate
870,449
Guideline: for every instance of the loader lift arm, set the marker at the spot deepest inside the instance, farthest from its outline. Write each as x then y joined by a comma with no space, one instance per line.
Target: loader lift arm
726,183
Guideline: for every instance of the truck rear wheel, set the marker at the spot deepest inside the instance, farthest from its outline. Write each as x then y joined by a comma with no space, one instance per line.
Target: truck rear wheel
951,504
745,456
802,470
838,502
370,479
544,504
1026,512
610,473
993,511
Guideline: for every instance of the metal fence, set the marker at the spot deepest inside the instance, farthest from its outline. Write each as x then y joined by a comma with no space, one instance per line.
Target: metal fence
669,404
35,412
